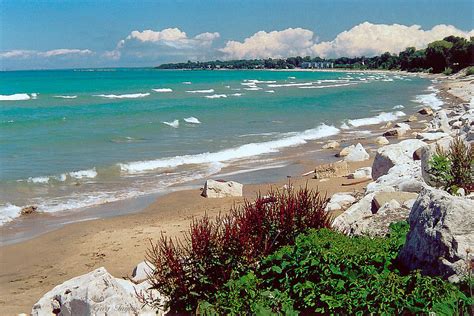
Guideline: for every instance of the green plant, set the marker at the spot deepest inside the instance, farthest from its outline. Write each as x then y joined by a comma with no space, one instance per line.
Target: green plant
326,272
448,71
470,71
454,169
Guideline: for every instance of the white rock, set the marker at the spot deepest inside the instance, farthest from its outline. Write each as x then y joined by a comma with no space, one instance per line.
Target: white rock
391,155
357,154
346,150
331,145
361,173
141,271
395,132
404,126
343,199
409,203
431,136
382,140
441,232
440,122
94,293
217,189
347,221
331,207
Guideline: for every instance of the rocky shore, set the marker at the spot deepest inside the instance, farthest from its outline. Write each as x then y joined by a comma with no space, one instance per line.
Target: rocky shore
367,190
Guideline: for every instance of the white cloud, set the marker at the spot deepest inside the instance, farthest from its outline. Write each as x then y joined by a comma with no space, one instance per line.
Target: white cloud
65,51
22,54
276,44
372,39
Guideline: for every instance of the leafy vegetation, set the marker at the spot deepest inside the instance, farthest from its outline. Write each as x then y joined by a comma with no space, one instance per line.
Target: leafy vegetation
195,268
326,272
448,55
454,169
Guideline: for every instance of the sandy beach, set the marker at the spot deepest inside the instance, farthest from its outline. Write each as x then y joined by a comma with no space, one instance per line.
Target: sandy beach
33,267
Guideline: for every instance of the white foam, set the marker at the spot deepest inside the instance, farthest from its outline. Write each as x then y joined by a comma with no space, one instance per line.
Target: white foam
290,85
174,124
254,81
38,179
123,96
90,173
236,94
15,97
192,120
162,90
328,86
9,212
291,77
430,100
216,96
186,82
382,117
396,107
253,89
34,96
66,96
270,91
201,91
244,151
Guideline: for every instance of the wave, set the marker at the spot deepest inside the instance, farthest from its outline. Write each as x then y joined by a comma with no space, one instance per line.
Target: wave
38,179
255,81
290,85
253,88
186,82
162,90
123,96
174,124
270,91
201,91
396,107
236,94
244,151
9,212
66,96
90,173
192,120
382,117
330,86
15,97
216,96
431,99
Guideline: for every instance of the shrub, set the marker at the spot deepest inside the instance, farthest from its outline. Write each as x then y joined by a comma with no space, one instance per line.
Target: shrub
454,168
448,71
470,71
195,268
326,272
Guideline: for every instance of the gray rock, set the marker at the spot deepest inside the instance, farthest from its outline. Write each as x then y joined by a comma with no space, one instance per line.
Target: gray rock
381,140
331,145
218,189
395,132
426,111
361,173
357,154
431,136
391,155
382,198
94,293
440,122
441,235
347,221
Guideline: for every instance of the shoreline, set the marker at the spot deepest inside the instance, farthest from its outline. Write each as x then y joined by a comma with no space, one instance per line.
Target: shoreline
32,267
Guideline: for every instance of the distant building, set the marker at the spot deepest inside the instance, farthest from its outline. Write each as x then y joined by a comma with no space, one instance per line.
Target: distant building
317,65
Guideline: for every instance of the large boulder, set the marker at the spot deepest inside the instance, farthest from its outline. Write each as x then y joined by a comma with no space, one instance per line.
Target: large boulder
402,177
426,153
361,173
357,154
347,222
141,271
94,293
340,201
331,170
381,198
440,122
396,154
221,189
441,235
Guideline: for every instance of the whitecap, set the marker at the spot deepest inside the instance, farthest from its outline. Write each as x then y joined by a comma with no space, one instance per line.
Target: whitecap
290,85
192,120
186,82
216,96
123,96
253,89
15,97
90,173
162,90
9,212
174,124
38,179
430,100
270,91
244,151
201,91
396,107
380,118
236,94
66,96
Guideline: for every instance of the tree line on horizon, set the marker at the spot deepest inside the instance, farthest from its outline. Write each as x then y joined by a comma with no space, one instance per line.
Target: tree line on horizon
448,55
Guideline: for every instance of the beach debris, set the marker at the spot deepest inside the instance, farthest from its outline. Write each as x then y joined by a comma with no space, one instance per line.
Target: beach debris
395,154
331,170
218,189
381,140
92,292
331,145
426,111
365,172
141,271
357,154
441,239
28,210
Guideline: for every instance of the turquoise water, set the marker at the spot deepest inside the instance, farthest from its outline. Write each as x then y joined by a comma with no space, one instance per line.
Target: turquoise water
72,139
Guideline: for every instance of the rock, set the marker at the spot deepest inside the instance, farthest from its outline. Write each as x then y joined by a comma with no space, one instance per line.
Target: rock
357,154
431,136
395,132
426,153
411,185
412,118
391,155
361,173
331,207
331,145
141,272
345,151
381,198
440,122
218,189
426,111
399,176
347,221
441,233
382,140
340,201
331,170
409,203
403,126
94,293
27,210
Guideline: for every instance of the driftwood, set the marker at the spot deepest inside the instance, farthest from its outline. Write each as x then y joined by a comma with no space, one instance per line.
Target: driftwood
357,182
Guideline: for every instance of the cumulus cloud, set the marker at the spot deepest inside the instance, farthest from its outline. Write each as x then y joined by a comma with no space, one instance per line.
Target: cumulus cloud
22,54
372,39
277,44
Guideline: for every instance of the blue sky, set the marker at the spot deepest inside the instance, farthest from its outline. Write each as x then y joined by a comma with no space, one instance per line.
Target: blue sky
59,34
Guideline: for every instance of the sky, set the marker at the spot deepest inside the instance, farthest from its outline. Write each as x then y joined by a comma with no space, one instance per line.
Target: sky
39,34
